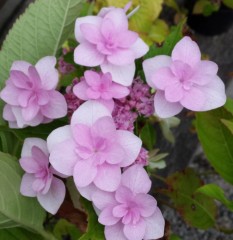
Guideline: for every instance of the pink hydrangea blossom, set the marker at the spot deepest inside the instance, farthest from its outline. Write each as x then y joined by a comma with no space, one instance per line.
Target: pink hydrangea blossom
184,80
39,181
98,86
105,41
91,149
30,94
130,213
143,157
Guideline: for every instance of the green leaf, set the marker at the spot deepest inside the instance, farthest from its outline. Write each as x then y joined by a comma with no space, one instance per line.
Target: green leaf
215,192
169,44
173,4
39,32
65,230
217,140
15,209
228,3
148,136
18,234
159,31
174,237
95,231
228,124
197,209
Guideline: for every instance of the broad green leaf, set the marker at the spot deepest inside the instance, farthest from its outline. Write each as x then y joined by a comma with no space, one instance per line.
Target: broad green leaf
169,44
158,31
173,4
18,234
228,124
148,136
215,192
197,209
65,230
95,231
15,209
39,32
217,140
174,237
228,3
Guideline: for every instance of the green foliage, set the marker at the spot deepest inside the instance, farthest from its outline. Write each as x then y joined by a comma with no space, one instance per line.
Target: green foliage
156,161
205,7
170,42
95,231
18,234
216,139
15,209
215,192
197,209
228,124
148,136
65,229
174,237
228,3
39,32
172,4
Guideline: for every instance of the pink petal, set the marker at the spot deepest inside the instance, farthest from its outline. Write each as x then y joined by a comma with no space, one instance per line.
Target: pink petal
127,39
106,217
19,79
92,94
187,51
140,48
29,143
108,177
103,199
147,204
29,165
122,57
119,19
207,67
174,92
34,77
80,90
92,78
48,74
124,195
118,91
215,95
135,231
116,154
40,157
21,66
52,200
57,106
120,74
131,145
115,232
88,191
30,111
163,77
104,127
109,104
9,94
58,135
107,29
82,135
8,114
136,179
87,55
193,99
88,19
63,157
120,211
84,173
163,108
26,185
91,32
24,97
89,112
155,226
150,66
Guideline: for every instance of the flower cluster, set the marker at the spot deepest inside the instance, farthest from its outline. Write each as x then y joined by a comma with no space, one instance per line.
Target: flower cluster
98,148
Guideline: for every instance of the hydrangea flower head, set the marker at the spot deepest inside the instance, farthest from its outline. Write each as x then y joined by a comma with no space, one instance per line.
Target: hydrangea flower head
91,149
184,80
98,86
38,181
130,213
105,41
30,94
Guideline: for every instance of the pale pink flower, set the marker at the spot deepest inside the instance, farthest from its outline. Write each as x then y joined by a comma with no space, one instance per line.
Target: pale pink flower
30,94
184,80
98,86
91,149
130,213
38,181
105,41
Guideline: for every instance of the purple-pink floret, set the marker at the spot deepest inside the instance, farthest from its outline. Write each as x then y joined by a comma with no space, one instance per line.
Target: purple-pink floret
138,103
63,66
143,157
